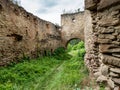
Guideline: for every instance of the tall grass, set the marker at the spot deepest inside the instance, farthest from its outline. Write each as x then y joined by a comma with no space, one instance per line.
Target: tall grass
64,70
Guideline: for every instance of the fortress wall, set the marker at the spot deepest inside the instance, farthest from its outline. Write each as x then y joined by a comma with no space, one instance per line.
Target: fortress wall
72,26
102,40
23,34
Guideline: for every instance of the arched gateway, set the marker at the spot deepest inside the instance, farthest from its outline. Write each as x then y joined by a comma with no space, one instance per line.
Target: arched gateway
72,27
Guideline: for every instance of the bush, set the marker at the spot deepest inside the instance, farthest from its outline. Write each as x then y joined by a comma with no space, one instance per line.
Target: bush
61,54
59,50
80,45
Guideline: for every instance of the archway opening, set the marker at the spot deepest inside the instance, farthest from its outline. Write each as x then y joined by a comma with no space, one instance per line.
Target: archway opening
75,48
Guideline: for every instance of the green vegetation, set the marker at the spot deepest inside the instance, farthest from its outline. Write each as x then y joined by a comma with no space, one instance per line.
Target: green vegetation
64,70
102,86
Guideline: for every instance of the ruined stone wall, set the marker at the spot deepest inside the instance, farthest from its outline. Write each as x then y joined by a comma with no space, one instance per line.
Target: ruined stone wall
23,34
102,41
72,26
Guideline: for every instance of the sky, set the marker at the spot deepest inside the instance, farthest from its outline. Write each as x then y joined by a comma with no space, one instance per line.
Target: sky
51,10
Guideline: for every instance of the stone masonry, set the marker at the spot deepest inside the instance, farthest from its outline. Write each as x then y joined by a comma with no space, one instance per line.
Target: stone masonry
23,34
102,41
72,27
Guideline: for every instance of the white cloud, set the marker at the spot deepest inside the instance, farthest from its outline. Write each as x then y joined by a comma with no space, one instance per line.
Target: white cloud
51,10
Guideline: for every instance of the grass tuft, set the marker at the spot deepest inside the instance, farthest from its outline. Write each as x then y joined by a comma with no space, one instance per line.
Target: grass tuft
64,70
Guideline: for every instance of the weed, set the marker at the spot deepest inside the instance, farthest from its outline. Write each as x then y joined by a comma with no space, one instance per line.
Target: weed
63,70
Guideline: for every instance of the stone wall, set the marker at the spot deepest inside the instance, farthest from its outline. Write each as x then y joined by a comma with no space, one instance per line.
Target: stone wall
102,41
23,34
72,26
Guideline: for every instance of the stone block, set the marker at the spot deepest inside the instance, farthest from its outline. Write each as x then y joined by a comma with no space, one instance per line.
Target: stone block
97,74
117,88
90,4
116,54
111,83
107,31
107,59
106,22
105,70
116,80
115,70
108,48
109,36
104,48
112,74
114,50
106,3
118,37
116,42
104,41
106,36
101,36
115,12
118,29
101,79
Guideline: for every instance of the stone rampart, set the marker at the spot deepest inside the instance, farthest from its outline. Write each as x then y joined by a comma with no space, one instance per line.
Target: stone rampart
102,41
23,34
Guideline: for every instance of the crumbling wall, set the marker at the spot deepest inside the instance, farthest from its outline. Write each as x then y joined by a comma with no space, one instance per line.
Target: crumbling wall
102,41
23,34
72,26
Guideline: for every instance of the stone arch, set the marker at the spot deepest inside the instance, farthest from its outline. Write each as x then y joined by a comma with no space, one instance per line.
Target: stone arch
71,40
72,27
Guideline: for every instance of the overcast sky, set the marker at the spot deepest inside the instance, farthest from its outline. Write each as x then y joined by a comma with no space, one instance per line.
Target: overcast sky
51,10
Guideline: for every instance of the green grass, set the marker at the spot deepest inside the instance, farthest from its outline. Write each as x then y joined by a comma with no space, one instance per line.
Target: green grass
64,70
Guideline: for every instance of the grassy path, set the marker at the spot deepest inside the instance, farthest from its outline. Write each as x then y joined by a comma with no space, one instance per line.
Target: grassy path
53,78
44,74
58,72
